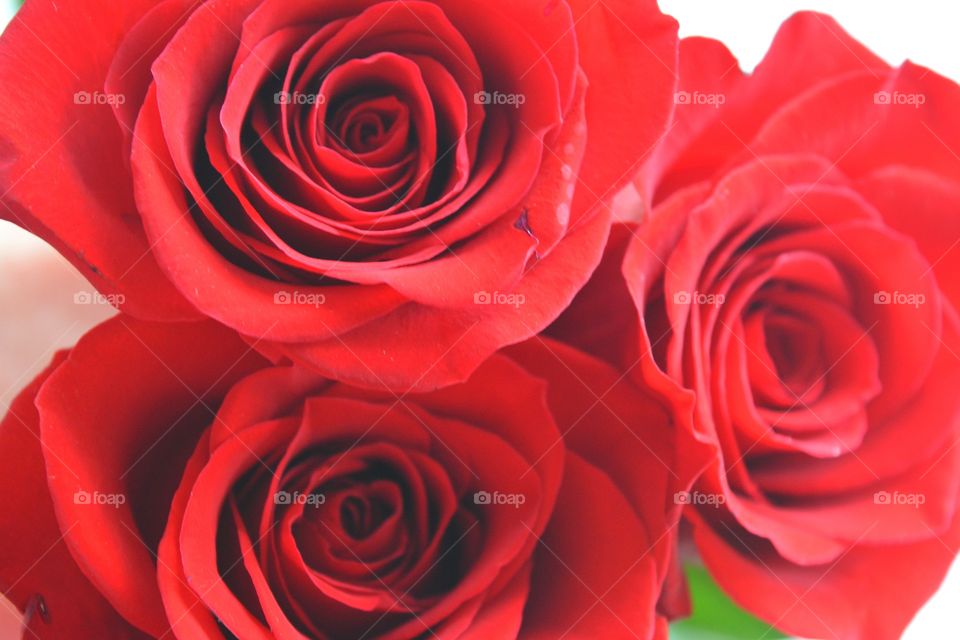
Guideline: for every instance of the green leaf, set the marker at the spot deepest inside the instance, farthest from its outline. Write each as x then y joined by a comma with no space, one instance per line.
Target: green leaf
715,616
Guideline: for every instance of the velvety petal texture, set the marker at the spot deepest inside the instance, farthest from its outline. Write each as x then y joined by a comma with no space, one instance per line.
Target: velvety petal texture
332,180
180,485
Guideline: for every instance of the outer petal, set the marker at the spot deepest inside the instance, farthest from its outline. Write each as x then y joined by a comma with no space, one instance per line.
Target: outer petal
392,351
869,593
120,417
635,95
189,617
865,121
606,589
707,68
63,173
925,207
37,572
602,319
625,430
809,49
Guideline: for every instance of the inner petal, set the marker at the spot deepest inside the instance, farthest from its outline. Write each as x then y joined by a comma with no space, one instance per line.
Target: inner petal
362,515
361,101
786,362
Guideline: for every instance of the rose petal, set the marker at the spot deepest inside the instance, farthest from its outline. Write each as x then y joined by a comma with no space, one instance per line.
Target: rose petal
104,435
37,572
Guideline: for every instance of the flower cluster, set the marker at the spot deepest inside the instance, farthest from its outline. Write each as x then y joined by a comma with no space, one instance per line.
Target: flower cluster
392,361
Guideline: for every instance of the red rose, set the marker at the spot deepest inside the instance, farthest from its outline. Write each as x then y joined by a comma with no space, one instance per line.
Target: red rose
798,275
172,483
334,180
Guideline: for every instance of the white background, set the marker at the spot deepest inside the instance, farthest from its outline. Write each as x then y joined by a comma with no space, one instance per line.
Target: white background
923,30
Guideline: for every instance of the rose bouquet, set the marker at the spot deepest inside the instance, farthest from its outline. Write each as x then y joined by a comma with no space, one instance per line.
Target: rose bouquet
478,320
